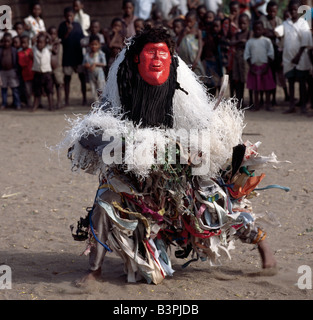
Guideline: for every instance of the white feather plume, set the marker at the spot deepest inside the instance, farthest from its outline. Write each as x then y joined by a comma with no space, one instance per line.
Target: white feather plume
223,126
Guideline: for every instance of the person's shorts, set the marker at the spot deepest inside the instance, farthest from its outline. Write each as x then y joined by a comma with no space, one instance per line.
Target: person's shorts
69,70
9,79
42,82
297,74
58,76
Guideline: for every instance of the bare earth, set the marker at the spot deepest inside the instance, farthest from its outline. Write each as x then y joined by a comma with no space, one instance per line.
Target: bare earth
40,198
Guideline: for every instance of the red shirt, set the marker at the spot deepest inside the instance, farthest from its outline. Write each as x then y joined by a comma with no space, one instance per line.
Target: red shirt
25,60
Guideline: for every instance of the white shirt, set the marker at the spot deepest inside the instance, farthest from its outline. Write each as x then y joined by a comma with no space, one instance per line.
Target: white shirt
296,35
35,26
143,8
84,20
166,6
213,5
42,60
183,8
258,50
261,8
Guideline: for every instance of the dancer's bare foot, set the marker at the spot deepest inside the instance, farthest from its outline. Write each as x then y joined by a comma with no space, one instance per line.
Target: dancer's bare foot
267,256
269,263
91,276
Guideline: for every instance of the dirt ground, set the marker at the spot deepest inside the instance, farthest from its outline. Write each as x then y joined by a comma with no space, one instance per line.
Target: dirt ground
40,198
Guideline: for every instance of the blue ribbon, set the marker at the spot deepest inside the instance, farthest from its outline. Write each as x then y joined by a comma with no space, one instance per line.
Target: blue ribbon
271,186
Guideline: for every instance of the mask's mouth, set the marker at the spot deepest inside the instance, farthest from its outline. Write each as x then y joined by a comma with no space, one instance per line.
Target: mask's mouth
156,67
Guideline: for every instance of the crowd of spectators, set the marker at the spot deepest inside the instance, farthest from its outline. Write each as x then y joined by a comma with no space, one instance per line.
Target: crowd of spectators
246,39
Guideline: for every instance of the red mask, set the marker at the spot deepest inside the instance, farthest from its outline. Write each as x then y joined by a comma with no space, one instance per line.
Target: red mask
154,63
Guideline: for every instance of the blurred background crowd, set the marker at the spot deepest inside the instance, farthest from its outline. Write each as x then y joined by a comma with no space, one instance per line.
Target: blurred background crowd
260,44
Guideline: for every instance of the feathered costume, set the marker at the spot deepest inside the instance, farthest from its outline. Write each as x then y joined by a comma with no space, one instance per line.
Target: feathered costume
143,206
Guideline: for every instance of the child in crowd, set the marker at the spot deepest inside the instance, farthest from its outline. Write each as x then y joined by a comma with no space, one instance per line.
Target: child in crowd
259,52
178,29
56,63
211,55
157,17
201,12
190,48
117,33
116,37
270,22
19,28
220,14
139,25
95,29
193,4
94,62
42,71
25,60
16,43
71,33
129,17
149,23
240,66
8,72
208,18
230,27
80,16
34,23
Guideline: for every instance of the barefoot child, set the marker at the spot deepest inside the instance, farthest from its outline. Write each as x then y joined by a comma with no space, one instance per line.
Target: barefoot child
270,22
211,55
8,72
190,48
43,71
56,63
240,66
34,24
25,59
71,33
258,53
94,62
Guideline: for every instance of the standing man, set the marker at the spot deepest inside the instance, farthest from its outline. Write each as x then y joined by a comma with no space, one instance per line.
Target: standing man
70,33
296,63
